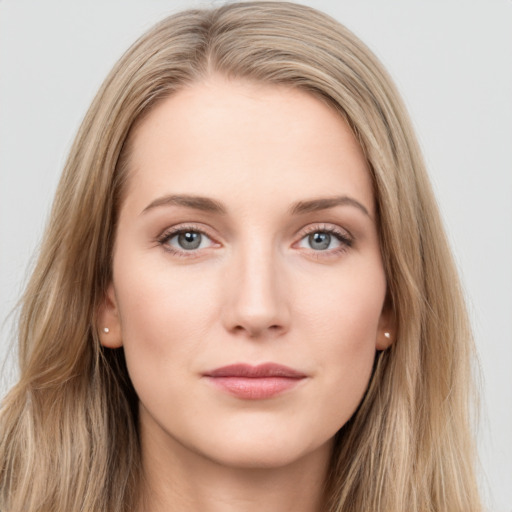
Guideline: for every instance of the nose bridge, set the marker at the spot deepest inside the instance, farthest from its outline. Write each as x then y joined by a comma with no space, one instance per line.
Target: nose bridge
258,303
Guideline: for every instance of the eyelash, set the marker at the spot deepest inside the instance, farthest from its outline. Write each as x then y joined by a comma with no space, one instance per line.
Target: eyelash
345,239
178,230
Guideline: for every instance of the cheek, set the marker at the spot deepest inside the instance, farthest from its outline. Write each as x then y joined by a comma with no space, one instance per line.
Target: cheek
346,306
165,318
343,320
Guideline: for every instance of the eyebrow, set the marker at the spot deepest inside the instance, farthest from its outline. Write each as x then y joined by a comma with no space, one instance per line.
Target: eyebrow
204,204
207,204
316,205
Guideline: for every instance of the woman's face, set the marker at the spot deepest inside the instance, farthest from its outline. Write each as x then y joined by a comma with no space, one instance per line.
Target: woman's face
248,287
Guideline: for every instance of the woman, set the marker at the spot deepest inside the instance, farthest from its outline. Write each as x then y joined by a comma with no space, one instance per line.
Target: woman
245,299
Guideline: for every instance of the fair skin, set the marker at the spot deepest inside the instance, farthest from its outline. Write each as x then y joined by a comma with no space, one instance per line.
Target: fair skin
278,261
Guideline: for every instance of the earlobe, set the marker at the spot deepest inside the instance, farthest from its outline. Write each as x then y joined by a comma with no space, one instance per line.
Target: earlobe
109,325
386,332
384,340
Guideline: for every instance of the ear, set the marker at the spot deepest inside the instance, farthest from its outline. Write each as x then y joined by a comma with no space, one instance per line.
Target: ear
386,332
109,324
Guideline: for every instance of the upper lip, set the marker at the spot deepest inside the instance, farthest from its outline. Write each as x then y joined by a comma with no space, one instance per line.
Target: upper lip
254,372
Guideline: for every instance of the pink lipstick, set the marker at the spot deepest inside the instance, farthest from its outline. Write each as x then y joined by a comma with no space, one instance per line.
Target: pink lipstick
255,382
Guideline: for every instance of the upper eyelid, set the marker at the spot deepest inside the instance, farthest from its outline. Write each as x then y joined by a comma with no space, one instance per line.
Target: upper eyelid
324,226
173,231
180,228
299,234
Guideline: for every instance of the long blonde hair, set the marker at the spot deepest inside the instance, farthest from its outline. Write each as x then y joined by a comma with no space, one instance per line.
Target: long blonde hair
68,429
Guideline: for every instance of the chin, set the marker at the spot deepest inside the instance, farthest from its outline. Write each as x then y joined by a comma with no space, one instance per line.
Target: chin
264,451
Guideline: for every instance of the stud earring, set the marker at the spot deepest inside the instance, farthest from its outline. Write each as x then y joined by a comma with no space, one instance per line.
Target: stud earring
387,335
106,330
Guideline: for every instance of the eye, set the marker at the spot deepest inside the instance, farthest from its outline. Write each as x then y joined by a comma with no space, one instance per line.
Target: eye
185,240
320,241
325,239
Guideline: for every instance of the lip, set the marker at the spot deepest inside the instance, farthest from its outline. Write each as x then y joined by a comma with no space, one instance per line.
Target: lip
255,382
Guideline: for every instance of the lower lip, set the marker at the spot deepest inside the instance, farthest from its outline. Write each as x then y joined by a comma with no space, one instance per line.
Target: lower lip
255,388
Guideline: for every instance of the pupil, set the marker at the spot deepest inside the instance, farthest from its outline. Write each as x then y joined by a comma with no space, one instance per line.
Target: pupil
319,241
189,240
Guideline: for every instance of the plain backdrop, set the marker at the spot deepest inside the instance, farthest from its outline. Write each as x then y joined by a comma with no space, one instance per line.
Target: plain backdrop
452,61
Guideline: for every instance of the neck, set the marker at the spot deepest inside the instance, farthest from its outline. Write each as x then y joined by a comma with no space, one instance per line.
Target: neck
177,479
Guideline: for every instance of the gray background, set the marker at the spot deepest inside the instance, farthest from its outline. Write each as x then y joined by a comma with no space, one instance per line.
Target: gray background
452,61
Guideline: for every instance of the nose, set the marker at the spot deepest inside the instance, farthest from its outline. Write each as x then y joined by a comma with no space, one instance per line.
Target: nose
257,302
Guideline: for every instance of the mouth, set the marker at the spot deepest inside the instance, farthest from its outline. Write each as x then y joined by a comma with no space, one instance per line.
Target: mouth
255,382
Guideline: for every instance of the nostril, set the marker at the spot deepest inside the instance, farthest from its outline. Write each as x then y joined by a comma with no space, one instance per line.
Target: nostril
257,331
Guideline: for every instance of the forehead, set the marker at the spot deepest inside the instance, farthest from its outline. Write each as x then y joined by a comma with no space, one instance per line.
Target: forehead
242,140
